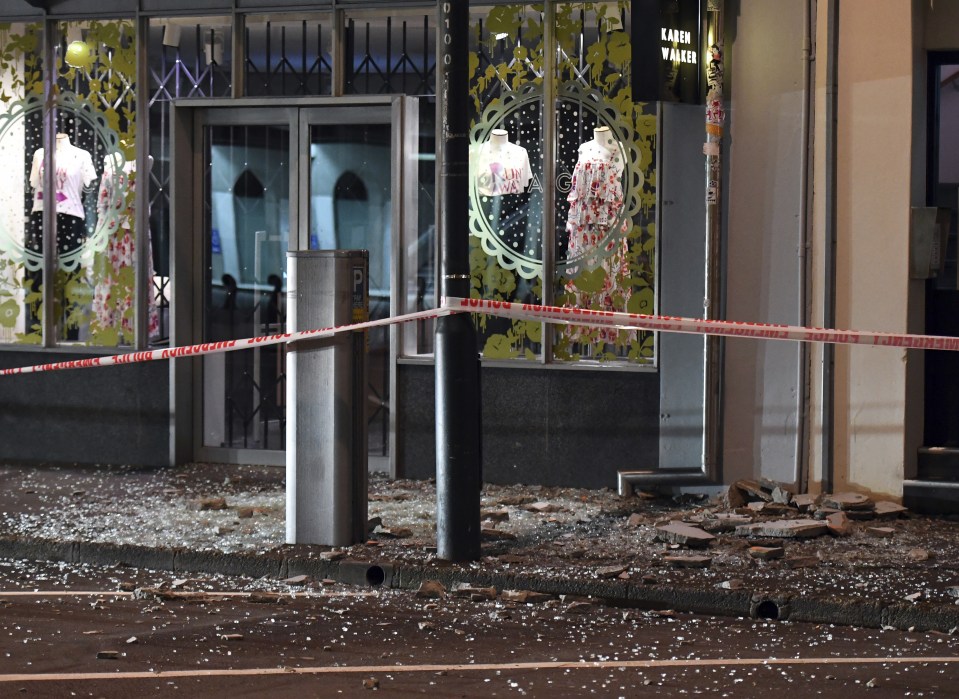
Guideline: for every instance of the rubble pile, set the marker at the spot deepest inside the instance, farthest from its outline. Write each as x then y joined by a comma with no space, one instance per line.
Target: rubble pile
766,513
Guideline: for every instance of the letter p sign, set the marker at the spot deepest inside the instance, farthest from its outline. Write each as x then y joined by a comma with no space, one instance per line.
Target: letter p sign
358,294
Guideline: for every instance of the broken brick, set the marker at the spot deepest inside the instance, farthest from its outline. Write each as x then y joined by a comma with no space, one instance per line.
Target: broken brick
753,489
725,522
839,524
683,534
610,571
847,501
889,510
781,496
766,553
804,501
787,528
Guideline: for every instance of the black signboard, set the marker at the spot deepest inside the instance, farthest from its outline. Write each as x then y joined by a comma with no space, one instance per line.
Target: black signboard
667,50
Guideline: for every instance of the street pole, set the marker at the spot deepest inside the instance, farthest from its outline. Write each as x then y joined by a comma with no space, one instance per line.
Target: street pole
458,429
713,303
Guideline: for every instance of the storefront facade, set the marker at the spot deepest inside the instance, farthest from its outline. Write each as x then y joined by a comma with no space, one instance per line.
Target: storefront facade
268,127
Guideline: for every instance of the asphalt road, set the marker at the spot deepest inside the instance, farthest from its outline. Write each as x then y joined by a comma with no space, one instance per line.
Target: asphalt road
68,630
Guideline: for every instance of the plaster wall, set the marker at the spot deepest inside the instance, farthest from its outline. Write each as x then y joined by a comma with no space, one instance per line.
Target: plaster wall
874,154
765,88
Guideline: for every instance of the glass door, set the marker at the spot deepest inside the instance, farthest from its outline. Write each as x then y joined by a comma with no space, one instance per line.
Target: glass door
246,234
349,180
270,180
939,457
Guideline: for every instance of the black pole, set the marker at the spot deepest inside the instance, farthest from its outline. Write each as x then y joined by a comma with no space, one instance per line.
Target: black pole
458,464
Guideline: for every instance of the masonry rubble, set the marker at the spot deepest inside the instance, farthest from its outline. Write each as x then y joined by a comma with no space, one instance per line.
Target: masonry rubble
768,510
766,553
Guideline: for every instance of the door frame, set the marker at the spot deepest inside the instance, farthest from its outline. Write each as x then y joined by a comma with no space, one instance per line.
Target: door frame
188,119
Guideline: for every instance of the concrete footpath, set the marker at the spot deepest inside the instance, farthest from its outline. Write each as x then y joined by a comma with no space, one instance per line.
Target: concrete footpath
844,560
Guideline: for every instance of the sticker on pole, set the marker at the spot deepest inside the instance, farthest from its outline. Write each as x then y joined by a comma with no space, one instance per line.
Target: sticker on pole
358,295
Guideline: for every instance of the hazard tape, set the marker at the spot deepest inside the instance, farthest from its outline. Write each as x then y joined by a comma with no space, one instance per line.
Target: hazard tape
698,326
529,311
225,345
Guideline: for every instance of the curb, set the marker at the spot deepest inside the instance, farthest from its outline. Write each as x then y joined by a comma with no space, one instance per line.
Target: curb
843,611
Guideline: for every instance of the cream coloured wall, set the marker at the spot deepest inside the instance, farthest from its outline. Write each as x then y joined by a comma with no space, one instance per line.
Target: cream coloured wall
874,182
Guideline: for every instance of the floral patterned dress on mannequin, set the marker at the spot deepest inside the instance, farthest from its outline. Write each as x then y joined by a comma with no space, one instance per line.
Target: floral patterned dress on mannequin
114,268
595,203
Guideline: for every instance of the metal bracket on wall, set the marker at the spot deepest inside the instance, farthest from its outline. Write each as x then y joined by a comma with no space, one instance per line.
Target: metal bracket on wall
628,480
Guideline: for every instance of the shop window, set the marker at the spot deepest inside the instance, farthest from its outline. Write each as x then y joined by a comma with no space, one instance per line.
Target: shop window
562,192
89,219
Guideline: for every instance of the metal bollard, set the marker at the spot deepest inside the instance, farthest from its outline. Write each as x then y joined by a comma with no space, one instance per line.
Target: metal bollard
326,445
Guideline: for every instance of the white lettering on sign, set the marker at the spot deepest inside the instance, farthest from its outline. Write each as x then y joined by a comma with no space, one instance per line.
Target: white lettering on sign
675,36
671,38
678,55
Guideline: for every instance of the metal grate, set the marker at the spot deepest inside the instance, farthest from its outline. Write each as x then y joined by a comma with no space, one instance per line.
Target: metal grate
197,66
288,58
384,56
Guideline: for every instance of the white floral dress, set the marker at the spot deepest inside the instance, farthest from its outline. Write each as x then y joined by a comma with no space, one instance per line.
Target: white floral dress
595,204
114,291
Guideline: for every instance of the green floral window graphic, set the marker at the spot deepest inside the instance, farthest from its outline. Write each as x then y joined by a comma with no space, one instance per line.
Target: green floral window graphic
20,81
93,155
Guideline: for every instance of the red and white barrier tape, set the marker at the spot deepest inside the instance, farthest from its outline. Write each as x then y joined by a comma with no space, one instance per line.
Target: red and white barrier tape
224,346
698,326
527,311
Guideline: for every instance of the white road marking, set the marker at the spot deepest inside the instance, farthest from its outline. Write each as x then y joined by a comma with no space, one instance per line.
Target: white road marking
198,593
478,667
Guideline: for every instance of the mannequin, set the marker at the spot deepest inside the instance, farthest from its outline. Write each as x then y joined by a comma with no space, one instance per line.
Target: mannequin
596,200
502,167
74,172
112,296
